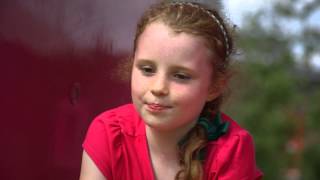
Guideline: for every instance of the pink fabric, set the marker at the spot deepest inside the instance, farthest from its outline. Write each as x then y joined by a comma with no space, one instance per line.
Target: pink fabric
116,142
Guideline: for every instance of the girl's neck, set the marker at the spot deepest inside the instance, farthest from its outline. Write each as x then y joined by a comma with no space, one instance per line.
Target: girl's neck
163,151
165,142
161,143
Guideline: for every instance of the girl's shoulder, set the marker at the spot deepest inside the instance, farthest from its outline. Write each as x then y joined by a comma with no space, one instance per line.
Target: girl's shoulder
122,119
108,133
233,154
235,131
233,143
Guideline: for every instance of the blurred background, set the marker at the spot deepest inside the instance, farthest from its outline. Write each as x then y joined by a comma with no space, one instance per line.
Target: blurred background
58,63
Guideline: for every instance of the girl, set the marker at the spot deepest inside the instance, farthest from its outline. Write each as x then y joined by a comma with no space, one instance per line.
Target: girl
174,129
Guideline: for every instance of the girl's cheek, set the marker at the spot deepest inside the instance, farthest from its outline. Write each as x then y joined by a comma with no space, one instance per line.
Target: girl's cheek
184,87
180,90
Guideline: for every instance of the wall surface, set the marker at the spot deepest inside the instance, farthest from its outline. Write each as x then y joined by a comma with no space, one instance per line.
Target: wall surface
57,72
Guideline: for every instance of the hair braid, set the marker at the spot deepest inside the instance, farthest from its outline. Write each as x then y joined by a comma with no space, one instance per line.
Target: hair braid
189,155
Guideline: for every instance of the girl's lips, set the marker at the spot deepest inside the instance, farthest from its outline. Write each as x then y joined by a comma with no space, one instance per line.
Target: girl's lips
153,107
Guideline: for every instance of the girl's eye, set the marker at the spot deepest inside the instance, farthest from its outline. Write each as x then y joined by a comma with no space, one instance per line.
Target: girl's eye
182,77
147,70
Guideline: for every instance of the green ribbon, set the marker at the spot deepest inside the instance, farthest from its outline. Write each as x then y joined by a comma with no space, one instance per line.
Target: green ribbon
214,128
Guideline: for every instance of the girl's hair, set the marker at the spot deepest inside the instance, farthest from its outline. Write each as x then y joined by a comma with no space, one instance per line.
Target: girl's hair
195,19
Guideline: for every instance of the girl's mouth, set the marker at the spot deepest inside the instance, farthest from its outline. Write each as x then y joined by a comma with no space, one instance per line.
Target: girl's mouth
155,107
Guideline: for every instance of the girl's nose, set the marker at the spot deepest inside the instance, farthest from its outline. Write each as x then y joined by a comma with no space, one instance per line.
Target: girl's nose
160,86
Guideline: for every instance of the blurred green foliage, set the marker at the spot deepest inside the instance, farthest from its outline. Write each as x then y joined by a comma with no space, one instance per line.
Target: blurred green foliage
275,94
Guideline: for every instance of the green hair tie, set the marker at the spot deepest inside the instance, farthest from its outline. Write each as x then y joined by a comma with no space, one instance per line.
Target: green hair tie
214,129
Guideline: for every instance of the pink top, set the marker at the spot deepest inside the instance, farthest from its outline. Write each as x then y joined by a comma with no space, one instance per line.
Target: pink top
116,142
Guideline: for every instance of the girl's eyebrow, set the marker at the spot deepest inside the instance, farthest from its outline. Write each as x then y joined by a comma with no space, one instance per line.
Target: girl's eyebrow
145,61
177,67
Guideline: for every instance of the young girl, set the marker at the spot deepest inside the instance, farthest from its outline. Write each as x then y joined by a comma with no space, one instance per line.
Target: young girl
174,129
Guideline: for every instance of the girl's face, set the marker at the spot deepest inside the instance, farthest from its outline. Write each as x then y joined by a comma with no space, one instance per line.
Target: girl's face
171,78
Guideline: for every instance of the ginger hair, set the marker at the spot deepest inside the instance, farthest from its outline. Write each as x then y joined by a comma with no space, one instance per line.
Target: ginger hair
195,21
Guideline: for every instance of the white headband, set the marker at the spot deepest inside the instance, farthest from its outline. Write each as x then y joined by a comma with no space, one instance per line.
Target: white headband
223,30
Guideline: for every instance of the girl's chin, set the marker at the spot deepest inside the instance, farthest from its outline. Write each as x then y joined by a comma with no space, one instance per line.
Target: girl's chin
157,122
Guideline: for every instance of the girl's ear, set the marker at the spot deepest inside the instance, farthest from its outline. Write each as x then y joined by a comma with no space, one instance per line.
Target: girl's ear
216,89
212,95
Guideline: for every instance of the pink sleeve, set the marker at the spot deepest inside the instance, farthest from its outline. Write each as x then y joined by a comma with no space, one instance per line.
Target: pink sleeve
237,159
102,140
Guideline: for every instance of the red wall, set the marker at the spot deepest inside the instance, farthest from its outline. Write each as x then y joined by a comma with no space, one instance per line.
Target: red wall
46,105
57,64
